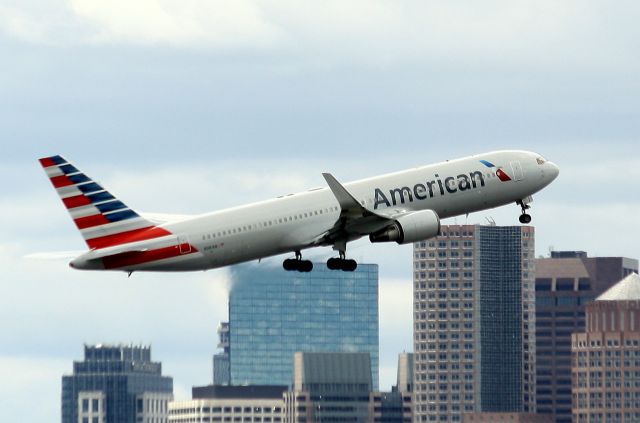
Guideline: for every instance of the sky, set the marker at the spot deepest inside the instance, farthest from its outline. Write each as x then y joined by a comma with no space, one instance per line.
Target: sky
190,106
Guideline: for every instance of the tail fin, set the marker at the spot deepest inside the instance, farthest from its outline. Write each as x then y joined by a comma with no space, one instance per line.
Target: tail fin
102,219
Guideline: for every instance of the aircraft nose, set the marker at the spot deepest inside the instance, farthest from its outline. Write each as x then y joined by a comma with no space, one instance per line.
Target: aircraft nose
552,170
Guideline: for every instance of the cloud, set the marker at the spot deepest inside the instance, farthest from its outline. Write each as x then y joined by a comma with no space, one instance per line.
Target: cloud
378,32
26,378
214,23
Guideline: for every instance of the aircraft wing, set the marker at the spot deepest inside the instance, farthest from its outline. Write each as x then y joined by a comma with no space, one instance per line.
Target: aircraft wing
355,219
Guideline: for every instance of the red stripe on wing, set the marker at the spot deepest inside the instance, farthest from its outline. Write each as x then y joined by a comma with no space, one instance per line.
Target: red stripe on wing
128,236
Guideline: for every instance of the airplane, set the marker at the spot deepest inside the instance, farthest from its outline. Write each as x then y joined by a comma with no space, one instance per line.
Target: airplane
402,207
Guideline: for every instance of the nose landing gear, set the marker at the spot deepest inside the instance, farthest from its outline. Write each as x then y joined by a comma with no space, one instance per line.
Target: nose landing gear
525,218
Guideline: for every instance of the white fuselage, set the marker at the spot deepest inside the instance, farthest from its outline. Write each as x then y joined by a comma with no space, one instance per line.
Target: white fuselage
294,222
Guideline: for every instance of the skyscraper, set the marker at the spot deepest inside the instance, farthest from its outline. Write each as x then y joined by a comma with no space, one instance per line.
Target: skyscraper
404,379
116,384
565,283
221,371
273,314
474,322
606,357
330,387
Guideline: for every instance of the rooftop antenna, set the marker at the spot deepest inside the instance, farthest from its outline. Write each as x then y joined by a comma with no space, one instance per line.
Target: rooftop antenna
490,221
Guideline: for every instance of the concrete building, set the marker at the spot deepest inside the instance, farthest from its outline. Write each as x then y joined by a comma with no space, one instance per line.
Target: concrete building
404,380
390,407
213,403
330,387
274,313
326,387
606,357
565,283
506,418
395,406
221,369
474,322
116,384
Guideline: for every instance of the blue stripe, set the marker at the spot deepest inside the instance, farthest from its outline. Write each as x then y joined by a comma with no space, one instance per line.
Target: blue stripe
486,163
111,206
57,160
79,178
100,196
121,215
67,169
90,187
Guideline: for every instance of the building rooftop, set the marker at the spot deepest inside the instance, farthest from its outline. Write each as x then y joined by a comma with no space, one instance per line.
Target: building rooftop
625,290
237,392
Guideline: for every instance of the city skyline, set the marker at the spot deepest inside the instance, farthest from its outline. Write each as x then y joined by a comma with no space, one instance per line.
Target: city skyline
178,112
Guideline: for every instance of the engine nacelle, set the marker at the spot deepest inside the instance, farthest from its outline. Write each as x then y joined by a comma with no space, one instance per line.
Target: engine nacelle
411,227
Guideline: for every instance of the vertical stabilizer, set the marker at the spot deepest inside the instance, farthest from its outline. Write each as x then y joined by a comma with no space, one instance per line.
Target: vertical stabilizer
102,219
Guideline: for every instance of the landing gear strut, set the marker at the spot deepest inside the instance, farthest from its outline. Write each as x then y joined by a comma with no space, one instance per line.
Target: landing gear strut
525,218
298,264
341,263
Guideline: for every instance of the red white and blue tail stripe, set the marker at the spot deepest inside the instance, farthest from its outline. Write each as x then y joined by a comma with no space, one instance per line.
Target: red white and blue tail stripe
103,220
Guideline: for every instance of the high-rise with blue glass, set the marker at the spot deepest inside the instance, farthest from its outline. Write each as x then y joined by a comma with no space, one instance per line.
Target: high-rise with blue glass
116,384
474,322
273,314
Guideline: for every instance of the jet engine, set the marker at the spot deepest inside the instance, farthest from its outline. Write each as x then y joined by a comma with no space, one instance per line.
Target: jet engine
410,227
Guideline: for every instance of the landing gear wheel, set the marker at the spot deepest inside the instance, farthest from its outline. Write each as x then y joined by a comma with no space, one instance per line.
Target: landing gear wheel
349,265
297,264
306,266
290,264
345,265
525,218
334,263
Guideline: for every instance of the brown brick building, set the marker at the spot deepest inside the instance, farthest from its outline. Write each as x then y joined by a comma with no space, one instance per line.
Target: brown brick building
565,283
606,357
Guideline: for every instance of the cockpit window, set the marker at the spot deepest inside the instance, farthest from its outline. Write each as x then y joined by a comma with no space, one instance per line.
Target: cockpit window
540,160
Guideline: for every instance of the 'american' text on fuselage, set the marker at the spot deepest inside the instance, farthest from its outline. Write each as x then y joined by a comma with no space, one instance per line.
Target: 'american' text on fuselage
420,191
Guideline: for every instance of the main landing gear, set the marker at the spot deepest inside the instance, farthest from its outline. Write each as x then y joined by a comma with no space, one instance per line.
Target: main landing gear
298,264
525,218
340,263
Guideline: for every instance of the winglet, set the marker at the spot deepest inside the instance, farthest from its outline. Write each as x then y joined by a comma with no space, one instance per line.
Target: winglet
345,199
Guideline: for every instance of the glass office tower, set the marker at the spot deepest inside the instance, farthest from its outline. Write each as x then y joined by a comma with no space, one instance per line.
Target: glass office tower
116,384
274,313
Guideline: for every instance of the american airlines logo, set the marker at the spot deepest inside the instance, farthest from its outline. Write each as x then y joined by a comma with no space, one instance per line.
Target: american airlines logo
499,172
429,189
